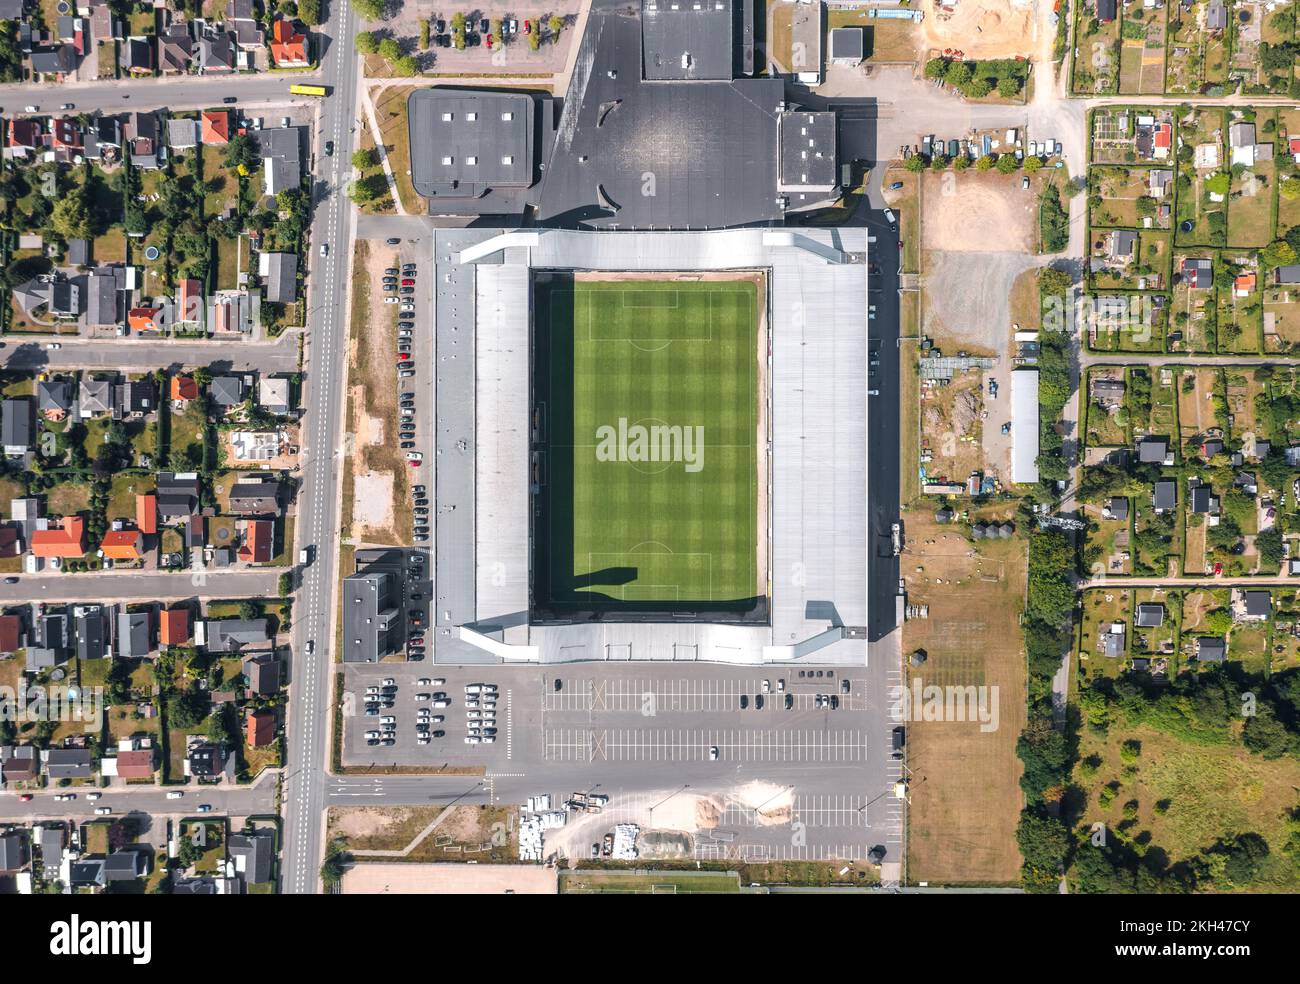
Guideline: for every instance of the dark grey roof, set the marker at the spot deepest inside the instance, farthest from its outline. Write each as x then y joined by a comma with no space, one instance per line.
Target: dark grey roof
280,149
206,760
1118,507
1166,494
1289,274
87,872
1199,498
58,60
96,396
847,43
135,396
79,252
126,865
68,763
54,394
464,142
253,855
808,151
1150,615
281,278
132,635
16,422
255,498
11,9
371,616
226,391
14,851
1152,450
1258,603
263,672
89,629
1211,649
687,39
230,634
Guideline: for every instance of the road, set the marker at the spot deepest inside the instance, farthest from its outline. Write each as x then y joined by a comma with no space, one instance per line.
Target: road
318,515
130,586
147,354
230,801
174,92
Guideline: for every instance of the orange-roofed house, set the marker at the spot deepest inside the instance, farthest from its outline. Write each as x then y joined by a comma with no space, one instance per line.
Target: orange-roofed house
258,537
68,540
135,765
184,389
144,318
146,513
1243,285
123,545
288,46
260,726
214,127
174,627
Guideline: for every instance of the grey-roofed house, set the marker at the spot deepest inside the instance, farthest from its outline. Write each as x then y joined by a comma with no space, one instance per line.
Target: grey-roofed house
58,60
133,635
175,49
182,133
226,391
263,673
104,137
50,838
1211,649
103,289
95,396
15,851
135,397
1216,16
1257,605
205,761
126,865
273,394
1150,615
255,498
1164,495
1153,450
66,300
1122,244
143,135
280,149
229,635
11,9
1285,275
253,855
86,873
1117,507
136,55
1201,499
1112,644
88,628
279,275
16,426
68,763
79,252
178,495
216,53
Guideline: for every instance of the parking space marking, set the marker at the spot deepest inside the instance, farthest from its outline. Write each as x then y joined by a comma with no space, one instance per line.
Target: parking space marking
655,695
693,745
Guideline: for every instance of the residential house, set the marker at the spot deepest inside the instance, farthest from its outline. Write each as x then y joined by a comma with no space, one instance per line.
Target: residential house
133,635
89,630
67,763
54,63
174,627
143,135
104,139
259,727
1164,496
280,149
262,671
1106,11
178,495
1122,244
15,851
22,138
126,865
132,764
1108,392
234,311
1116,508
1150,615
205,761
122,545
216,52
50,838
175,49
1243,285
1216,16
134,398
19,763
255,498
79,252
136,56
1153,451
1158,182
214,127
288,45
1198,273
189,301
253,856
183,389
65,541
146,513
226,391
279,276
11,634
230,635
258,541
182,133
17,422
273,394
95,397
1256,606
1289,275
1201,499
1241,140
53,398
1210,447
103,289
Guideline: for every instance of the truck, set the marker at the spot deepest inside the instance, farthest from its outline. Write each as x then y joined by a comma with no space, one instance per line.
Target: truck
896,538
304,556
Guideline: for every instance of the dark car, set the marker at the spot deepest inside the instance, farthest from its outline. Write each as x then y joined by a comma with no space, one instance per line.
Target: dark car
439,26
744,701
758,702
844,686
484,26
394,242
789,702
895,186
329,148
230,99
11,580
900,738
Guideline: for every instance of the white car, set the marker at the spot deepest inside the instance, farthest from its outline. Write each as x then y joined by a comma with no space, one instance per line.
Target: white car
53,346
767,687
439,681
324,249
64,797
472,739
93,796
390,682
780,686
423,682
388,719
473,714
473,688
713,753
370,735
104,811
421,697
414,455
371,690
175,794
441,703
390,300
488,739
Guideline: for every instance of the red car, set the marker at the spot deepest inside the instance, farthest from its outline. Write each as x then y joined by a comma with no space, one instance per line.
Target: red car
489,40
403,355
528,27
1218,569
408,282
413,464
25,798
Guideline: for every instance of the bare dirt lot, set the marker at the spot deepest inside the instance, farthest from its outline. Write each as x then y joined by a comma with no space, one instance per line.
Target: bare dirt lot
951,427
982,28
965,785
450,879
978,212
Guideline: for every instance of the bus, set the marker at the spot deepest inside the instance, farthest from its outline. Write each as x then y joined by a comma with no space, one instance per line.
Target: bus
307,90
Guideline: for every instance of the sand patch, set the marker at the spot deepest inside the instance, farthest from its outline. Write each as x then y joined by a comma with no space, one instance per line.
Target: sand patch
372,506
981,28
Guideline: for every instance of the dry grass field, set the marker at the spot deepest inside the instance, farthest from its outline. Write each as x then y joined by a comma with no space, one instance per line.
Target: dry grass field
966,796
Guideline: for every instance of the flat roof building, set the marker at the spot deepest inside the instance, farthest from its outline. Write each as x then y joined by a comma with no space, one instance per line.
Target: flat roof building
1024,426
686,40
466,142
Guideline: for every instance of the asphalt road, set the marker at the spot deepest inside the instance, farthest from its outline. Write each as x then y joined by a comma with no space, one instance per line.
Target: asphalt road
231,801
111,586
318,519
142,354
173,92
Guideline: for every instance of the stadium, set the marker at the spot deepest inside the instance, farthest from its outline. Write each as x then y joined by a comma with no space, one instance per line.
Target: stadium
632,460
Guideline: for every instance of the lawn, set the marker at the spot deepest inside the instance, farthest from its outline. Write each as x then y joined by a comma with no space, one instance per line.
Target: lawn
390,113
637,518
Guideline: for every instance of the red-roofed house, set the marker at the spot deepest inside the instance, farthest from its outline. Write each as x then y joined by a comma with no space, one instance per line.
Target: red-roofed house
135,765
1243,285
22,137
11,633
260,726
1294,147
144,318
214,127
123,544
288,47
1164,137
9,543
146,513
184,389
174,627
68,540
258,537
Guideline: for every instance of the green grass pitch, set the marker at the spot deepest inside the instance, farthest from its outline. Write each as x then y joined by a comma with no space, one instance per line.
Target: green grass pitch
653,520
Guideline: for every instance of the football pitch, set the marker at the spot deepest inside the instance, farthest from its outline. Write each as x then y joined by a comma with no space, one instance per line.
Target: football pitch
649,498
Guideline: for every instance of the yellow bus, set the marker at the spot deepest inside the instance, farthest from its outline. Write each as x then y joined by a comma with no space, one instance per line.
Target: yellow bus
307,90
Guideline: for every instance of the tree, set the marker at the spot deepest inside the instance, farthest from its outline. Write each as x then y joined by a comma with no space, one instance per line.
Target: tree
1290,188
365,158
405,67
1033,164
936,68
249,610
367,43
369,9
556,25
985,163
309,12
1006,164
1275,254
534,41
424,33
979,88
1008,88
938,162
72,218
390,50
336,859
957,75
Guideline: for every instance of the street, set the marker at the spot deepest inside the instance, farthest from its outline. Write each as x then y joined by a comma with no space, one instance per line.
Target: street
142,586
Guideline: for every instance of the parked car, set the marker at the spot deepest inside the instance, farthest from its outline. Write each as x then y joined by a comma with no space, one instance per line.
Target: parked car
104,811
